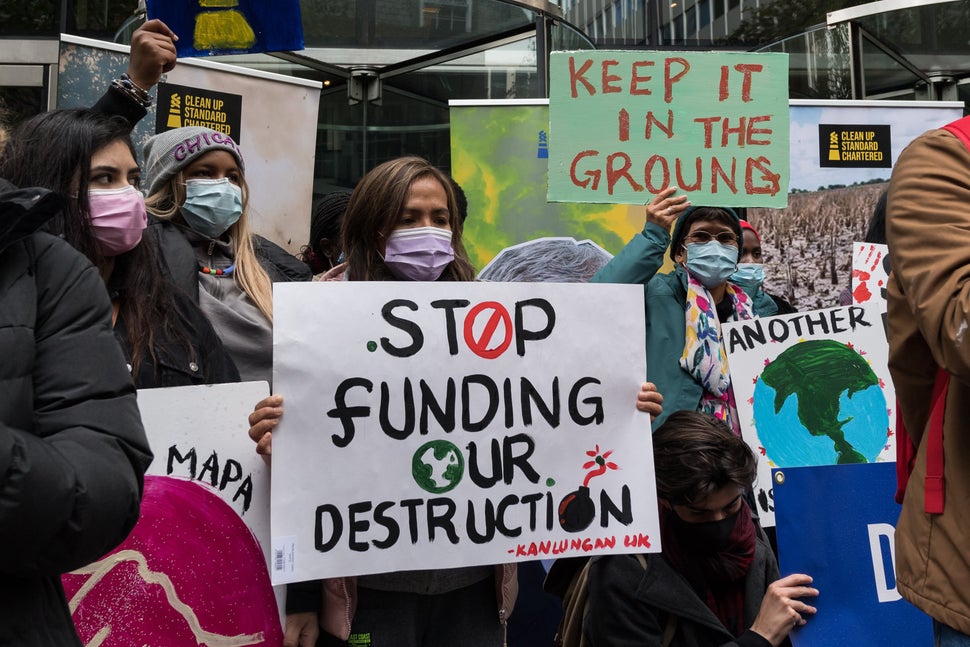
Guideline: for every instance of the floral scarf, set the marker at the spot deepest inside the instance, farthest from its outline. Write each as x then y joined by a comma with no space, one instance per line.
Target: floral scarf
704,357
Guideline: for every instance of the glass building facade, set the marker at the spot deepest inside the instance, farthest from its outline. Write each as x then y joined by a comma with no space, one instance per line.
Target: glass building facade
389,67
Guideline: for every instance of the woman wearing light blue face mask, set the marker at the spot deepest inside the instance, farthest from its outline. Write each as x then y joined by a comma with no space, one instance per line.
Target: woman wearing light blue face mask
684,308
750,274
197,193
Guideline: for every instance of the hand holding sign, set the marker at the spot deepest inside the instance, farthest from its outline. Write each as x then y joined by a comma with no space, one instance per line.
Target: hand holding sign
650,400
665,207
781,610
263,420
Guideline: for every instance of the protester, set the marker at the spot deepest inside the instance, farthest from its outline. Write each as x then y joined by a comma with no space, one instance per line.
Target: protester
72,449
928,231
401,224
716,580
750,274
88,159
194,178
684,309
323,250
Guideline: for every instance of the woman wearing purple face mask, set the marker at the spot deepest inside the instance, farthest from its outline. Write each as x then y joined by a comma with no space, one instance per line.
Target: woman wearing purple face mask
401,224
87,158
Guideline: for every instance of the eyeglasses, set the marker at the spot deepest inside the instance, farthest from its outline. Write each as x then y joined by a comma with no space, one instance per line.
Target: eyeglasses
724,237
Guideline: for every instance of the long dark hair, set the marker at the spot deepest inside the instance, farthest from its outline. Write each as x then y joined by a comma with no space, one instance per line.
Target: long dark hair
373,211
54,150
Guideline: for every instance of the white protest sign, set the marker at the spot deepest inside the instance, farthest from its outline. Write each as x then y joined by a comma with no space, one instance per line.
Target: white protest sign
812,388
194,568
436,425
201,433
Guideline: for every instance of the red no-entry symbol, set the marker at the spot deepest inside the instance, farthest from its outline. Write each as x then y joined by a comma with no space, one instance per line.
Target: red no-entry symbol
498,315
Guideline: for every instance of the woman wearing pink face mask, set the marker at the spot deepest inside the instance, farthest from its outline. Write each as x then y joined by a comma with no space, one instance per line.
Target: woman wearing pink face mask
87,158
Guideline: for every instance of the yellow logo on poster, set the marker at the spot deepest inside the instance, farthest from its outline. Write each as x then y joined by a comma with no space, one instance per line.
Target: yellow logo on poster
834,147
174,112
223,28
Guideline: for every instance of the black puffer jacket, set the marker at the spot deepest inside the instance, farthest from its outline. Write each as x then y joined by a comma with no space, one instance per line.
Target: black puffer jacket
72,449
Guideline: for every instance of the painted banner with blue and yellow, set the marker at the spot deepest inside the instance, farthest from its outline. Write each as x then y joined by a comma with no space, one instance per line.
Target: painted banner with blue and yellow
207,27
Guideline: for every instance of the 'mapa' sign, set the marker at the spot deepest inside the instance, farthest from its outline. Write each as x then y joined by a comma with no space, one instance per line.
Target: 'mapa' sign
441,425
626,125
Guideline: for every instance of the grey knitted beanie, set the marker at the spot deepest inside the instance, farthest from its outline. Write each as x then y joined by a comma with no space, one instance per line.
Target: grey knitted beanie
169,152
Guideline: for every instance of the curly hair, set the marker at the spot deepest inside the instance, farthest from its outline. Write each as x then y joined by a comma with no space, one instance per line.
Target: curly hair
695,455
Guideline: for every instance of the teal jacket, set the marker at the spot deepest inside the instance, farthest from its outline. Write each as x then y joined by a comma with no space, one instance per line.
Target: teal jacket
664,296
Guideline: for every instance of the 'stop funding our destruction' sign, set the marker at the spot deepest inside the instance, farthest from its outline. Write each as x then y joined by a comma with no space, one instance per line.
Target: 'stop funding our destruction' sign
625,125
437,425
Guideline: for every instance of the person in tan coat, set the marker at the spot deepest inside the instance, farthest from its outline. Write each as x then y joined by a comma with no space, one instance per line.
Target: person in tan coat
928,230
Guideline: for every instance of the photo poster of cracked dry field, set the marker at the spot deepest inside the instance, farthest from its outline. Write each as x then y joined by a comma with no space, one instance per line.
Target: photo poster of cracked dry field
808,245
442,424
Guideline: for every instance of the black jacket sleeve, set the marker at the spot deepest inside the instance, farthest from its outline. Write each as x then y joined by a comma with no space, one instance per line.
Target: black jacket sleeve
303,597
116,102
71,485
279,263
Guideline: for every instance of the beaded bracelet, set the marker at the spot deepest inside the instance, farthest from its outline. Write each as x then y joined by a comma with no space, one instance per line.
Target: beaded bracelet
135,93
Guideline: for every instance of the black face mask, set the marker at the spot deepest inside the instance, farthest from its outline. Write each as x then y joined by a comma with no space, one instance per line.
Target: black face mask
704,537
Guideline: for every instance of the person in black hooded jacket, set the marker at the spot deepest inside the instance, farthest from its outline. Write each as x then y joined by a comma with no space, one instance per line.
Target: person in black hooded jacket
72,448
716,582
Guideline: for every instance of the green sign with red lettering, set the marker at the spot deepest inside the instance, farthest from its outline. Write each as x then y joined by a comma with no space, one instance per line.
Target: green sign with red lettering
628,124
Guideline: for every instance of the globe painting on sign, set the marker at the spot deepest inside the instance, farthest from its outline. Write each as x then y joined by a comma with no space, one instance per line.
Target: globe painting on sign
438,466
812,389
819,403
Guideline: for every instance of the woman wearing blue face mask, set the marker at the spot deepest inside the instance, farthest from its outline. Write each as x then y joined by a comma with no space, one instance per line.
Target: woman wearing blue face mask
194,178
685,308
750,274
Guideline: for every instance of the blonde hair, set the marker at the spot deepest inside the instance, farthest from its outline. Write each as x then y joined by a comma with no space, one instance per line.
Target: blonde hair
249,275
